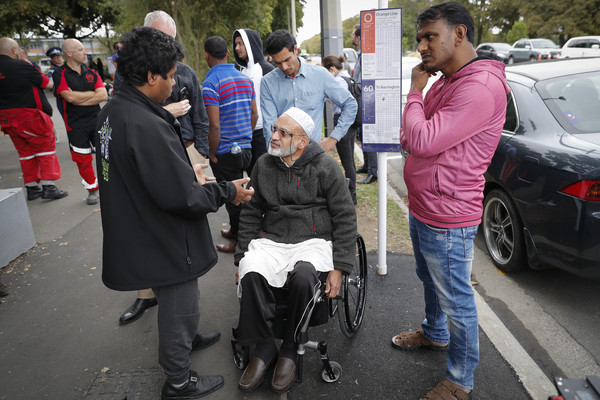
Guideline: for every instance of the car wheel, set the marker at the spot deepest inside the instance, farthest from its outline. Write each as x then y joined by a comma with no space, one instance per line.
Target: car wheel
532,59
503,232
511,60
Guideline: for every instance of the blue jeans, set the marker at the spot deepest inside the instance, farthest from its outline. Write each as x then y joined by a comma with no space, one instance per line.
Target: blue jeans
444,259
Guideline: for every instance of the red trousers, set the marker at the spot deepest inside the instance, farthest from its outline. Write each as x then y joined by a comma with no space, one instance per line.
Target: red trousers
32,133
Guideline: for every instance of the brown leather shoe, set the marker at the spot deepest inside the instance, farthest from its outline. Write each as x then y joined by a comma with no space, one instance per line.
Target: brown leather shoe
284,375
227,248
227,234
254,374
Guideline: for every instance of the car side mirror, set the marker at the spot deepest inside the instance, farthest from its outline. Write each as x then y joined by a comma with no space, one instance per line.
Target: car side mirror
596,46
527,46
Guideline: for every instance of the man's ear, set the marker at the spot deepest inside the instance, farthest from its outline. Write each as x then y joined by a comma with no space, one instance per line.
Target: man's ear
461,33
152,78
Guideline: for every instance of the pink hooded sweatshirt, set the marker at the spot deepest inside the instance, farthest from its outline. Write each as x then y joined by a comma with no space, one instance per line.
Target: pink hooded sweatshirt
451,140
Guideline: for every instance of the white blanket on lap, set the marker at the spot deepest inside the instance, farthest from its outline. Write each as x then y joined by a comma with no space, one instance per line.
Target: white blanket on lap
274,260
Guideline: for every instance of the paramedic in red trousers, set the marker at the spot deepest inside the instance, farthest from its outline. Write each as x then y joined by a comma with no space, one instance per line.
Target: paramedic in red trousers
155,204
81,91
451,137
25,117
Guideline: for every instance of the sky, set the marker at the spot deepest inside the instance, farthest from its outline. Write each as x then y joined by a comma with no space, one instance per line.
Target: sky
312,16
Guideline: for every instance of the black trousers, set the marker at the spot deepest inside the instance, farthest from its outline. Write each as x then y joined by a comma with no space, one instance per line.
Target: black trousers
345,149
178,318
230,167
259,147
257,307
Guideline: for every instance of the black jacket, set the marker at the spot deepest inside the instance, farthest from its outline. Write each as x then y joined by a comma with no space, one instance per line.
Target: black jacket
153,211
293,204
194,124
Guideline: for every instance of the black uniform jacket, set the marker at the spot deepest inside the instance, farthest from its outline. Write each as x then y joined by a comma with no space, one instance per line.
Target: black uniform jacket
153,210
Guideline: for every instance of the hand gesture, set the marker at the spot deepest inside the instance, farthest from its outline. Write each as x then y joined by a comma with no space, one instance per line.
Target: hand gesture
242,195
179,108
200,177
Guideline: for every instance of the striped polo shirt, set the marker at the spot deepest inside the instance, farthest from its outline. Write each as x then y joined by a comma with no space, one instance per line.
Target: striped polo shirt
233,92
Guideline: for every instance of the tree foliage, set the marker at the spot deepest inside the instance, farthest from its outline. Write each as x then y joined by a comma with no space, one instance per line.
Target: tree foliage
50,17
518,31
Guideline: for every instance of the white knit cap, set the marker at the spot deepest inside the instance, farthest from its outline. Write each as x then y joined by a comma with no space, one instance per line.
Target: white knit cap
302,119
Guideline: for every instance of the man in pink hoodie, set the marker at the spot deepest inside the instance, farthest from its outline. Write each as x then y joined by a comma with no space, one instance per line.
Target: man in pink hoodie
451,137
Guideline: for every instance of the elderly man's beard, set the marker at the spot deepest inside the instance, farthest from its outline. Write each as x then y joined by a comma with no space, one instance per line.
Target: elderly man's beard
283,151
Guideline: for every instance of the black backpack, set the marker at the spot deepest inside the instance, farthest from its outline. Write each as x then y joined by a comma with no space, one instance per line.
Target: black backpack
355,91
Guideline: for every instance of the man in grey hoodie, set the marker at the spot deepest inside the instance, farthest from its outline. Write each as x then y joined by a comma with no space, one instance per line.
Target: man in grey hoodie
300,223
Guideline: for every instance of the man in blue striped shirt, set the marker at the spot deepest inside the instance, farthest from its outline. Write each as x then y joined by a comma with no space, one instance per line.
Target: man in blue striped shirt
230,103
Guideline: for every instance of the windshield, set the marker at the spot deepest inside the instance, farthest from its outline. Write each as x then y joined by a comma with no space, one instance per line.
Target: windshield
574,100
502,46
544,44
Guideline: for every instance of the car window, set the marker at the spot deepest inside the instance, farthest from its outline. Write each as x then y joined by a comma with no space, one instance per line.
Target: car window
544,44
574,100
512,122
519,45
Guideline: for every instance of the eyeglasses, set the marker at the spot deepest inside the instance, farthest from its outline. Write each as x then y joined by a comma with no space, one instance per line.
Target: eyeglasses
282,132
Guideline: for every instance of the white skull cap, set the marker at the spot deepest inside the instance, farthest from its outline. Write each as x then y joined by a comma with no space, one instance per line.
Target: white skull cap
302,119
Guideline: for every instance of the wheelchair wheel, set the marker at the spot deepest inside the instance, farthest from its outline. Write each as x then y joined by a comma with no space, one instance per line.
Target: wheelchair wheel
337,372
354,287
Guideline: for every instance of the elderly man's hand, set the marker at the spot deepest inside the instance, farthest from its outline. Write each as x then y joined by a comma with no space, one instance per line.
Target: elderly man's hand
333,283
179,108
200,177
328,144
242,194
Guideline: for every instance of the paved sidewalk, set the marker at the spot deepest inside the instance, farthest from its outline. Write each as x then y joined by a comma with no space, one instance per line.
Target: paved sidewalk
59,331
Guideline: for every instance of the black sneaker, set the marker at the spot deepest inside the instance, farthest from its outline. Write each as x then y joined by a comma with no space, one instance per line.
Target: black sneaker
51,192
197,386
33,192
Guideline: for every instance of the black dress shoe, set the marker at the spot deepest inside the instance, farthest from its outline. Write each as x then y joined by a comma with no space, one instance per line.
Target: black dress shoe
368,179
204,340
136,310
254,373
362,170
51,192
197,386
284,375
34,192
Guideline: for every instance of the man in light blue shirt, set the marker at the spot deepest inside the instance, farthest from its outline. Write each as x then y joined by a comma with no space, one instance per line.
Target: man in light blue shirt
297,84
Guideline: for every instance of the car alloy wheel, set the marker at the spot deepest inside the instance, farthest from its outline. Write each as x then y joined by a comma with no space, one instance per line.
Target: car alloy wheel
503,232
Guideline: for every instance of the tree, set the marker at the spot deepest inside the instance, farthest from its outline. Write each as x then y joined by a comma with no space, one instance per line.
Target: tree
281,14
63,18
199,19
518,31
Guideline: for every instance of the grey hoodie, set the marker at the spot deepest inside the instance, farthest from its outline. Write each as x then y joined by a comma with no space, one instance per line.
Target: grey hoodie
308,200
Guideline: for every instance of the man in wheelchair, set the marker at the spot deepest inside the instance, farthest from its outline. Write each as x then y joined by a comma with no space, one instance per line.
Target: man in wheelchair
301,222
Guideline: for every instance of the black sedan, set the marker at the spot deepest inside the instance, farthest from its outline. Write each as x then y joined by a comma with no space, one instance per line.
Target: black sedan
542,194
497,49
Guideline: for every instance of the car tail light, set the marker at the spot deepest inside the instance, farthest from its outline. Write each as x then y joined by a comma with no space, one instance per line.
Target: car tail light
586,190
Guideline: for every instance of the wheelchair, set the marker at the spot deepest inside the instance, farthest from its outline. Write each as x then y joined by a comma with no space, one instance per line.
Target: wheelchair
349,306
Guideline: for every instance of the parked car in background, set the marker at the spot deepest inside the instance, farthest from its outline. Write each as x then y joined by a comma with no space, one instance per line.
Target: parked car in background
533,50
351,56
44,64
542,192
498,49
581,46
